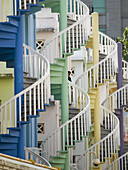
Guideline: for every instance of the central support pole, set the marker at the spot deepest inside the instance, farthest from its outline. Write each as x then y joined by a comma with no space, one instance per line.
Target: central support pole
119,85
95,35
63,14
95,49
64,94
18,80
64,87
18,60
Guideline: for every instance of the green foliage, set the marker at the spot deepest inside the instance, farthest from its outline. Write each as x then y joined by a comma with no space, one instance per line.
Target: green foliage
124,42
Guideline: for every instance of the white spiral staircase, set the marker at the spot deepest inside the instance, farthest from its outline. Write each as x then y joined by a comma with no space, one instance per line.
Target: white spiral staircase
58,141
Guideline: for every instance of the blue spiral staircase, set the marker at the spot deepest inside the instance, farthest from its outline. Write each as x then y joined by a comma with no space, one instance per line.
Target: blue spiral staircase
12,143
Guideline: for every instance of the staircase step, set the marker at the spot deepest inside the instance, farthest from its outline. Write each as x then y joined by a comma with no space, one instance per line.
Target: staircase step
60,61
56,80
10,152
92,106
7,35
14,132
25,74
63,153
8,28
92,95
13,21
8,146
30,79
55,73
73,110
57,97
61,166
55,86
56,67
70,21
55,91
7,43
6,51
57,159
8,139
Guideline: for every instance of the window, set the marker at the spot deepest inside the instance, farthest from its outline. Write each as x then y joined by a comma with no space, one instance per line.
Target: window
39,44
40,128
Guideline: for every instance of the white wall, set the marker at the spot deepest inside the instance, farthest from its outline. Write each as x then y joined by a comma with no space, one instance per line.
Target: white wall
78,69
47,24
102,91
50,118
78,61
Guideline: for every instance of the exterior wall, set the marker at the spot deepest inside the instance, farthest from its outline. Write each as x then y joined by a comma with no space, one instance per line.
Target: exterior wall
124,14
99,6
87,2
102,92
113,18
9,9
29,27
78,69
50,118
6,89
47,24
6,85
79,63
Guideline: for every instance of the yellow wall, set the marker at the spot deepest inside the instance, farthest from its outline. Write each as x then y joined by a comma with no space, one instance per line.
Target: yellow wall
9,9
6,89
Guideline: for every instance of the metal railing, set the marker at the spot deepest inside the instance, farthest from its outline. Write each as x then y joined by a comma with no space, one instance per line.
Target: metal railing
38,93
73,129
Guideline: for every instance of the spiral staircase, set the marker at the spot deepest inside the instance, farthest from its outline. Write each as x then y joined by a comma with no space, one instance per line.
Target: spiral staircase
20,109
82,95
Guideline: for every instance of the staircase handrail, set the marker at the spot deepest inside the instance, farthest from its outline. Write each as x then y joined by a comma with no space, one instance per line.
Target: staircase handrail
112,102
62,32
102,143
119,163
55,146
61,38
96,66
39,84
35,156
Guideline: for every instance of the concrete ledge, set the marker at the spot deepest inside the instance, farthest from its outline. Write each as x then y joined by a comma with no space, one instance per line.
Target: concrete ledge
9,162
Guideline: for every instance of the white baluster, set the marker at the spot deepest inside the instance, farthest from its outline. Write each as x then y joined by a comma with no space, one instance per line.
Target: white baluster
15,122
67,127
19,5
63,138
71,132
10,110
25,109
20,108
69,44
1,121
34,98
